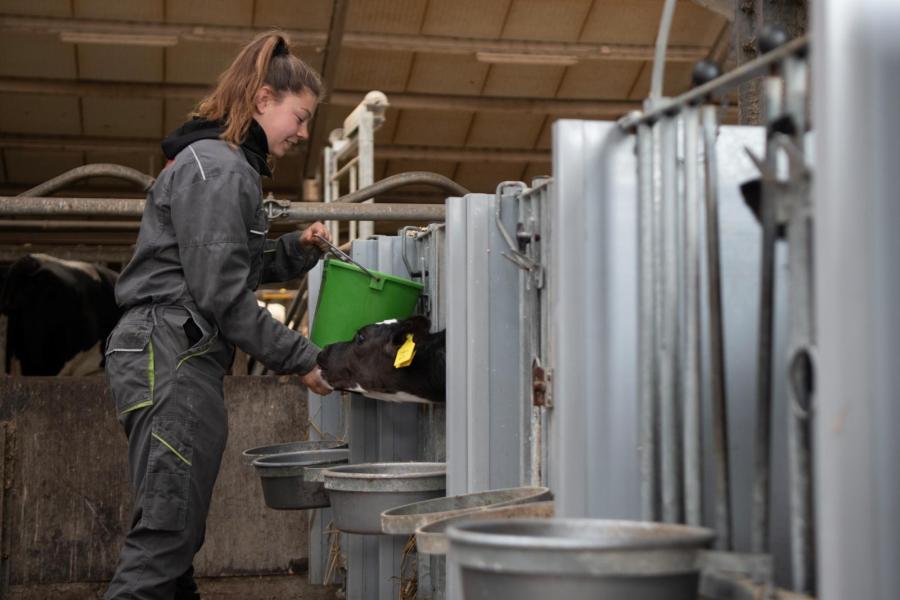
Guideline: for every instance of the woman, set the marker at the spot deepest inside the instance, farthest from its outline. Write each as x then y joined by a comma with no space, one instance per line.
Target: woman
188,297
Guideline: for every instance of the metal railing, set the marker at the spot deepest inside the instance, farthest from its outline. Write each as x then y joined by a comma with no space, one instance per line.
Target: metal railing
676,148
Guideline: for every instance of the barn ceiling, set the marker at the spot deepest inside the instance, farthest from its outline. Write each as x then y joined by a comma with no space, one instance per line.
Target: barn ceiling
474,85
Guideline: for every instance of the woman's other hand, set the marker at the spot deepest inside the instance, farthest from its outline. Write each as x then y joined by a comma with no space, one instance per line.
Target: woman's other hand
314,381
308,237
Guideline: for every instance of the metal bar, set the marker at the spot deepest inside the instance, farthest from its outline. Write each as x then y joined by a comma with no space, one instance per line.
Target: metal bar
759,535
351,39
347,166
399,100
659,55
390,151
87,171
690,375
403,179
331,56
302,212
716,334
801,386
365,173
648,332
668,350
32,225
717,86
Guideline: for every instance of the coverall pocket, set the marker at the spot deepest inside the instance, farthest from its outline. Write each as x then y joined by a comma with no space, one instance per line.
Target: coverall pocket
130,365
167,484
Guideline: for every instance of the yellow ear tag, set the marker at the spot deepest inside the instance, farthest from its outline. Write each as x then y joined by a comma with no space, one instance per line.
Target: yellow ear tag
405,353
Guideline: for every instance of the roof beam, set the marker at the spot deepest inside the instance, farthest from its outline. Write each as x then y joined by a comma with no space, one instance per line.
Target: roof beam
358,40
317,134
609,109
151,145
723,8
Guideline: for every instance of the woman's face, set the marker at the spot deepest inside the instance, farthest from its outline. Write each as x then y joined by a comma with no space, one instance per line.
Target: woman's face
285,120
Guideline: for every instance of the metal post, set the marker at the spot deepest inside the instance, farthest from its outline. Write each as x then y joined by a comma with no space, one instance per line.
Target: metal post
668,347
648,369
857,286
690,374
762,448
716,333
366,165
802,337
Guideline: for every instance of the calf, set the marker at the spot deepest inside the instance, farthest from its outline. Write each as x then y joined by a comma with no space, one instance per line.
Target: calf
56,309
365,364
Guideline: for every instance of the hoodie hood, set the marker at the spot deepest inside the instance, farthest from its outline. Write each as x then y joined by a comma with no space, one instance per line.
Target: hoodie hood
255,145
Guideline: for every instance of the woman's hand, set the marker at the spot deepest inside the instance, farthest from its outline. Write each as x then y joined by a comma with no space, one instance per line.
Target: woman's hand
308,237
314,381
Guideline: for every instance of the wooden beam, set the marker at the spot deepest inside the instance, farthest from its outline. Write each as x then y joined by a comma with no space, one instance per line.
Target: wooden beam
609,109
56,143
358,40
317,134
723,8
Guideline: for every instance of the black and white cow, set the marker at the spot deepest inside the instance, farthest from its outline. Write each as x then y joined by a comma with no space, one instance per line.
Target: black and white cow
56,309
365,364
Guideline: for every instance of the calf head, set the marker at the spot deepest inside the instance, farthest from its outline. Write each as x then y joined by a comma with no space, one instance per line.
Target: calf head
365,364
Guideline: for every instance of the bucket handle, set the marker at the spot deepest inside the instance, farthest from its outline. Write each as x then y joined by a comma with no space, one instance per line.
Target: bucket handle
346,257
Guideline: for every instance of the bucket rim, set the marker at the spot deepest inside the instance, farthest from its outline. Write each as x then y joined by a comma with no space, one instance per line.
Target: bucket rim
331,262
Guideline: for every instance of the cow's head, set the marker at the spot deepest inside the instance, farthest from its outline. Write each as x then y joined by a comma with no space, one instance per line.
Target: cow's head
368,359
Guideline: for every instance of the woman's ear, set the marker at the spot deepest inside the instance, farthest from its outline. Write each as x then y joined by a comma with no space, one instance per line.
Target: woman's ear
263,99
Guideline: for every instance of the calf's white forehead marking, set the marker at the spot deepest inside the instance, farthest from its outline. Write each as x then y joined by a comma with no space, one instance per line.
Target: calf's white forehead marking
387,322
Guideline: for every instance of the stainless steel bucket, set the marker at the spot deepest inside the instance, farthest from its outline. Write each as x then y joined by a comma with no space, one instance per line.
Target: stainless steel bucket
576,559
360,493
407,518
251,454
286,483
432,538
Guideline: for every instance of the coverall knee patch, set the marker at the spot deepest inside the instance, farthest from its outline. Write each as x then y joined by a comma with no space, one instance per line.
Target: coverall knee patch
167,483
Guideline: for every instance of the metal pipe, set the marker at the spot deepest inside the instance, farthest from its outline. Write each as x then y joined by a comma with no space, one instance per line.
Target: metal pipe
87,171
32,225
716,334
303,212
668,351
647,329
402,179
717,86
690,374
659,56
802,339
347,166
759,534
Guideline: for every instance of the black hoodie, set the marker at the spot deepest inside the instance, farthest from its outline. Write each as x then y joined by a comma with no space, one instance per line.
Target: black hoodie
255,145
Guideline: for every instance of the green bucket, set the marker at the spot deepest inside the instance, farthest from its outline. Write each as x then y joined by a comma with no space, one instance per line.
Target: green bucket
350,299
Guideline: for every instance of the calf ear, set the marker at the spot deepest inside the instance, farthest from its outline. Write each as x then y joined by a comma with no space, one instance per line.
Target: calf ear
416,325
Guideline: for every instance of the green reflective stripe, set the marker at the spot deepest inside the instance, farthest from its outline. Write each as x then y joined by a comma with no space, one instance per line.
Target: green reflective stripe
151,372
174,451
200,353
143,404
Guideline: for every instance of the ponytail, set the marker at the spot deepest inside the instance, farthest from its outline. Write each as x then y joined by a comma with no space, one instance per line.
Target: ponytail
267,60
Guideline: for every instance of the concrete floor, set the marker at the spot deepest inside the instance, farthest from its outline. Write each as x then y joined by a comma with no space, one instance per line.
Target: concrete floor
271,587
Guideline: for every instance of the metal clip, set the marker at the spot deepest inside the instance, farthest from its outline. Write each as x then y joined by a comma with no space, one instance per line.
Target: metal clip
275,209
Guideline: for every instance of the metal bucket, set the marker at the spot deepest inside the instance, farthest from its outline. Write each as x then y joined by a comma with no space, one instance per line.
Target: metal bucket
432,538
360,493
577,559
284,479
251,454
407,518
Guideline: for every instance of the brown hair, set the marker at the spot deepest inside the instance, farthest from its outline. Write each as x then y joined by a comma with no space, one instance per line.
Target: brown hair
267,60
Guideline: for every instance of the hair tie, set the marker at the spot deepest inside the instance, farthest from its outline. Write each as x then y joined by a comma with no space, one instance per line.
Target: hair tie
281,48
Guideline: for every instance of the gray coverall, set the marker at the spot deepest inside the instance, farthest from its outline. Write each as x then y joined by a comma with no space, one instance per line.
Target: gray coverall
188,291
